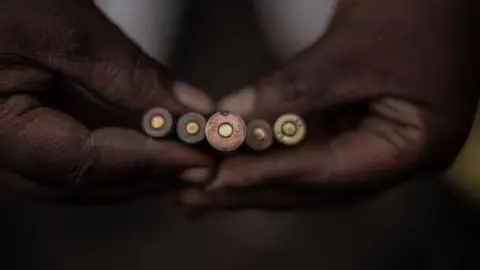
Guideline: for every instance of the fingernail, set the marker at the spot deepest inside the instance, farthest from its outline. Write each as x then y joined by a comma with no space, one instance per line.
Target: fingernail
196,175
241,102
193,98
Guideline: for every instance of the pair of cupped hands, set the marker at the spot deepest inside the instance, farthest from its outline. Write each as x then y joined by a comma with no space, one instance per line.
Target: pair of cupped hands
386,93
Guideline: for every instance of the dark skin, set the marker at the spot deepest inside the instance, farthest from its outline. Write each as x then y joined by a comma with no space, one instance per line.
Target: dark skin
52,147
382,92
387,93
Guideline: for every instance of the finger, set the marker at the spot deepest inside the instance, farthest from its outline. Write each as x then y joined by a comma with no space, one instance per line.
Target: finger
125,154
375,152
40,143
303,84
97,55
16,77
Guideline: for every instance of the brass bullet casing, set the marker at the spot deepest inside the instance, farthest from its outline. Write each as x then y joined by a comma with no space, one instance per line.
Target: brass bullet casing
259,135
191,128
157,122
289,129
225,131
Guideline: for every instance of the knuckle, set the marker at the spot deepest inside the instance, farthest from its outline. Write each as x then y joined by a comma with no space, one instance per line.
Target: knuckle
86,162
402,124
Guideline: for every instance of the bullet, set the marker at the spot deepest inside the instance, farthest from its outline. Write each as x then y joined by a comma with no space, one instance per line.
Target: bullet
289,129
225,131
259,135
191,128
157,122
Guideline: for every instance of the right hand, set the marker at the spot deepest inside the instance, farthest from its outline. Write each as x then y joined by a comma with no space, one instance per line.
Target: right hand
45,150
385,99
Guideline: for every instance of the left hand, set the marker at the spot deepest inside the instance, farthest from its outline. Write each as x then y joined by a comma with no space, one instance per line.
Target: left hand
58,146
386,93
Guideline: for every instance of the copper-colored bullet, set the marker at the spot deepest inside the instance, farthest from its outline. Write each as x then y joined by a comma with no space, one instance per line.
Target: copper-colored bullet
259,135
157,122
225,131
191,128
289,129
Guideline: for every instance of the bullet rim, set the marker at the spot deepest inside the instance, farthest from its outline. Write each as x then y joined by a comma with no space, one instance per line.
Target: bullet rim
230,143
155,132
183,133
253,142
299,124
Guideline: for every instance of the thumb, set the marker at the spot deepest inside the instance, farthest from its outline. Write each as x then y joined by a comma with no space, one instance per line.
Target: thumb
96,54
287,89
319,77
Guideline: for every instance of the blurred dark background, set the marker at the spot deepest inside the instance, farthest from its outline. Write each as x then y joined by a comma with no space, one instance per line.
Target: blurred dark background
420,224
221,47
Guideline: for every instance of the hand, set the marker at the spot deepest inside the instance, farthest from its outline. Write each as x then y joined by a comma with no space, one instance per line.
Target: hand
48,146
386,93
